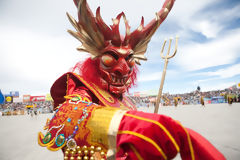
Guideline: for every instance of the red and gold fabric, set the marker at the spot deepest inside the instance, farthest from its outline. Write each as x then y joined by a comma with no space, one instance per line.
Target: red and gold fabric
147,136
71,83
124,135
84,115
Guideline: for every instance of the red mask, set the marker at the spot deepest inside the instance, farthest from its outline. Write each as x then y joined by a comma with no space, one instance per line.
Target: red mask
116,68
116,54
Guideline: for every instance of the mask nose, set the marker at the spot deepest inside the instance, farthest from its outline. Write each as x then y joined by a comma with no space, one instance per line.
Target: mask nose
121,68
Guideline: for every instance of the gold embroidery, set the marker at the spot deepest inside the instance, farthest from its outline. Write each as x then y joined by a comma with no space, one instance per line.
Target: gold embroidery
189,141
147,139
99,124
159,125
128,104
104,94
136,152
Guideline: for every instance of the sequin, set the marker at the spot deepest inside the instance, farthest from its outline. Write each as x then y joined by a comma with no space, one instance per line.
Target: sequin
47,138
71,143
89,104
69,119
75,108
76,128
74,99
84,102
60,140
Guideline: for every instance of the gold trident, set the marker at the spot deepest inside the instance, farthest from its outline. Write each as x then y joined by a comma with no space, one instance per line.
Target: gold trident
166,58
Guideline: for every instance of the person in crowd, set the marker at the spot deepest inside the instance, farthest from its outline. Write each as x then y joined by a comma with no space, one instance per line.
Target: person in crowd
202,101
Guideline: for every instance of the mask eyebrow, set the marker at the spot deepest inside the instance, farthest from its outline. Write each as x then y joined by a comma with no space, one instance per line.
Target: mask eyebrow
112,54
128,57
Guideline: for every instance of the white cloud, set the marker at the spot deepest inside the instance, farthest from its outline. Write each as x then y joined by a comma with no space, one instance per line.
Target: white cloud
144,77
223,73
149,77
196,17
35,48
207,28
224,50
31,60
216,86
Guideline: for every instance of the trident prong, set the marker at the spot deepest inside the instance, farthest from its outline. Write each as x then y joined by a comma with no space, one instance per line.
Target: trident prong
166,58
175,51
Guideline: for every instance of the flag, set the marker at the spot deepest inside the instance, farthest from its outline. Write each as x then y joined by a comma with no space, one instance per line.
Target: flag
1,98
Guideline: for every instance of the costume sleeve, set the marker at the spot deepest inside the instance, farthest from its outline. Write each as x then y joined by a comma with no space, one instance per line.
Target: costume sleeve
147,136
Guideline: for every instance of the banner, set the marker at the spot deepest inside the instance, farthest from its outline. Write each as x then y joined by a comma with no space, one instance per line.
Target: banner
14,93
26,98
136,94
37,98
8,99
17,100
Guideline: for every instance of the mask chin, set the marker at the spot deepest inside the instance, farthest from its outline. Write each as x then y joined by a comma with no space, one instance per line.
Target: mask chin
117,89
106,84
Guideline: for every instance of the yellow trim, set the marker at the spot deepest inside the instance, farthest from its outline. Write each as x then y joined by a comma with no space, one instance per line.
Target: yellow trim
105,97
67,84
95,92
158,124
189,141
126,101
136,152
56,149
73,95
49,144
86,99
41,136
99,124
146,139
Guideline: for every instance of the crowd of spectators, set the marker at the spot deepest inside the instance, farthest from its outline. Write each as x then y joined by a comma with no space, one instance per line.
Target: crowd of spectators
26,108
189,98
146,101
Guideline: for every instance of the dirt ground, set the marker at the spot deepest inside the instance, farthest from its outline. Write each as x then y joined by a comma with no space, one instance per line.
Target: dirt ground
219,123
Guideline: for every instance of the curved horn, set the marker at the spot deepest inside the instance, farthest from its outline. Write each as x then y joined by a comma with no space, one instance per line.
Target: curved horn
116,39
139,38
103,26
87,33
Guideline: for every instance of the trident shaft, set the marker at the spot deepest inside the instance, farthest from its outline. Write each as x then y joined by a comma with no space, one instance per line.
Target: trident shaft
166,58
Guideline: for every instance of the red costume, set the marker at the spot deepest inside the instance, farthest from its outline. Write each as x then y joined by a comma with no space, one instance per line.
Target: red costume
93,118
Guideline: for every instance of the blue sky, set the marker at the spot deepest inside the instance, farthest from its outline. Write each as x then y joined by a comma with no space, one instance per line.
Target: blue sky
35,48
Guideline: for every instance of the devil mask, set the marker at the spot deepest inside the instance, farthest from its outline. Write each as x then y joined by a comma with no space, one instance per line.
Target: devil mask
113,55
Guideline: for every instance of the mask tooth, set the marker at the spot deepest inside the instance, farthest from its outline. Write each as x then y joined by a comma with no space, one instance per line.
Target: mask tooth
114,79
125,79
122,81
129,81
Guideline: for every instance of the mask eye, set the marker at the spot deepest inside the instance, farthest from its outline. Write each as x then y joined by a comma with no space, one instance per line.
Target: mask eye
131,62
108,60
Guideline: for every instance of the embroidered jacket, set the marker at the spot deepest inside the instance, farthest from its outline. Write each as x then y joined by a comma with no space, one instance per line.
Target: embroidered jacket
90,123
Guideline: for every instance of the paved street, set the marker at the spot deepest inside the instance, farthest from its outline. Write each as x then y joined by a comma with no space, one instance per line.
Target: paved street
220,124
